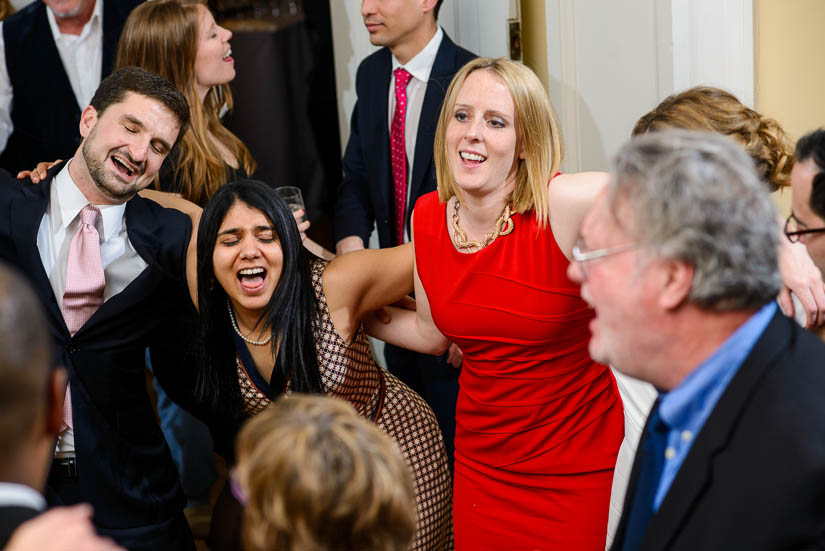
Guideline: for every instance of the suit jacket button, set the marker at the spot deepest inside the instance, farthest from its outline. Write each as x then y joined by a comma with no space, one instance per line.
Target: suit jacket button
386,221
71,349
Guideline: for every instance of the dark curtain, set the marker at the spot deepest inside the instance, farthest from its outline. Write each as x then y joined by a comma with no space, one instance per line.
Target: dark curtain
285,104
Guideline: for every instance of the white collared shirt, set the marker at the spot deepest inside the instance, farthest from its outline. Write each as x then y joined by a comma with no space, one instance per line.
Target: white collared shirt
121,262
82,57
20,495
420,68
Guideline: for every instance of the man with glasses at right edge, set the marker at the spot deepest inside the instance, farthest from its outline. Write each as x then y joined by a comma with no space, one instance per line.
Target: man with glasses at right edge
806,223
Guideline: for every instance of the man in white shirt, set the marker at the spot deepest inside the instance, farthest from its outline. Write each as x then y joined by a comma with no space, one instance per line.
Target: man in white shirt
385,172
110,268
72,44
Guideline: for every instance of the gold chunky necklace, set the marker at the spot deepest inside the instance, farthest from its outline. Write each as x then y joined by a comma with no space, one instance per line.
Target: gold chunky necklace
504,226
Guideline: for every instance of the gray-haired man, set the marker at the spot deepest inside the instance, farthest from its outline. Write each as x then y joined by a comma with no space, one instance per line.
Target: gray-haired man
678,258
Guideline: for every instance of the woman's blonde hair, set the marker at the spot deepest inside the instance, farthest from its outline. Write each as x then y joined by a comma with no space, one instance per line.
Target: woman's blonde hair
538,135
162,36
317,476
711,109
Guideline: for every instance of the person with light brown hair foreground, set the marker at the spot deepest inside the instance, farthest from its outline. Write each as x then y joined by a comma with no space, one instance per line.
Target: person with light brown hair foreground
316,475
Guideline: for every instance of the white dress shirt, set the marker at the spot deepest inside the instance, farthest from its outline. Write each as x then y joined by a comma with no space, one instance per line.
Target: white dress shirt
419,68
20,495
121,262
82,57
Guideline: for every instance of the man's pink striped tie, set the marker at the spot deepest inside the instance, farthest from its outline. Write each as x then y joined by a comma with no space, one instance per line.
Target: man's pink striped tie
85,282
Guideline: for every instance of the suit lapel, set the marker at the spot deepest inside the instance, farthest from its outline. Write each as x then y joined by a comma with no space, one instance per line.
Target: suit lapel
694,475
382,167
440,77
26,214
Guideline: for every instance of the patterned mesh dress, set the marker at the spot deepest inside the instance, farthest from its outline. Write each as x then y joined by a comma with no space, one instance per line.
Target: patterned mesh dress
349,371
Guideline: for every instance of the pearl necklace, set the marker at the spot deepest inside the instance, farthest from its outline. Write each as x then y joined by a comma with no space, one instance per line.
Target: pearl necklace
504,226
238,331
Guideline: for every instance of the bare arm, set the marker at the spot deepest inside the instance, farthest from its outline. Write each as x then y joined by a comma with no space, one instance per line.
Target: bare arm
174,201
570,197
411,330
356,284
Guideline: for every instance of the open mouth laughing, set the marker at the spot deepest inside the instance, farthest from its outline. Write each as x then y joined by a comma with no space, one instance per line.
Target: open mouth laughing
125,166
252,279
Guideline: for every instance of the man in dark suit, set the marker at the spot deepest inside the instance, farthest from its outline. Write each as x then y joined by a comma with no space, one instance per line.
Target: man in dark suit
109,266
72,44
678,259
32,405
385,172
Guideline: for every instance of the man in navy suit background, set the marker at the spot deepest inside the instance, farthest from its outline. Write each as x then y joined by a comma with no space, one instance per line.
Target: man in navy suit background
679,260
369,196
112,454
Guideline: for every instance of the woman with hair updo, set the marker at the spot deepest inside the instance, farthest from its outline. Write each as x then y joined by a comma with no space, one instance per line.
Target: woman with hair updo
179,40
538,422
709,109
315,475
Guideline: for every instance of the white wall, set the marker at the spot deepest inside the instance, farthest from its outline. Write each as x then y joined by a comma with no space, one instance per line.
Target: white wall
478,25
611,62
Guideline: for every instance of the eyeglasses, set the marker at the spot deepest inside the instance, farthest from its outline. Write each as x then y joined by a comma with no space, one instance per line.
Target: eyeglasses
582,255
792,231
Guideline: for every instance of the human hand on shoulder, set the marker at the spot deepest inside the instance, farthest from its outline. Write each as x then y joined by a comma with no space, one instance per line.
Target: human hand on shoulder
39,172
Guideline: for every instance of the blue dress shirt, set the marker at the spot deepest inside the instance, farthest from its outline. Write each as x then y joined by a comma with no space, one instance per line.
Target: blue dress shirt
686,408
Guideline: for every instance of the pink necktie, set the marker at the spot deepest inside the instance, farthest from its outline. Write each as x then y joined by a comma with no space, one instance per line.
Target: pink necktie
398,151
85,282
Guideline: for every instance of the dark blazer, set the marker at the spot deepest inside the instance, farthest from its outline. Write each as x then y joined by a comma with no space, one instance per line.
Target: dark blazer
12,516
365,195
755,475
44,110
124,467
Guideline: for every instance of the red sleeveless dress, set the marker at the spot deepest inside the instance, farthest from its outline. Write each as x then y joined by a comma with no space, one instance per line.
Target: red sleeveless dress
538,422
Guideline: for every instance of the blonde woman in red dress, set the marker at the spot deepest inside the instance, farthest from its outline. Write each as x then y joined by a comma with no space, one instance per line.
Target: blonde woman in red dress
539,423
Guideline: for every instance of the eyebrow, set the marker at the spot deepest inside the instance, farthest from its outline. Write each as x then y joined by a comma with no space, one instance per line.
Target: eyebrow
488,112
233,231
137,122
